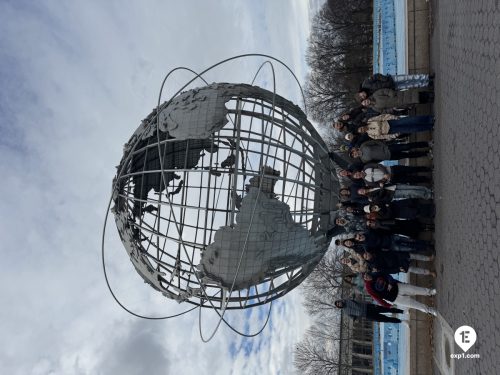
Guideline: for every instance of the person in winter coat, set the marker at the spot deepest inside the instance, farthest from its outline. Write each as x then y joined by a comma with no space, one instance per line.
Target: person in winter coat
375,151
352,225
351,245
386,100
345,127
373,240
376,82
351,120
402,209
388,126
351,208
388,193
395,82
393,262
355,262
369,311
347,173
353,212
356,282
387,291
410,228
409,81
356,117
374,174
351,194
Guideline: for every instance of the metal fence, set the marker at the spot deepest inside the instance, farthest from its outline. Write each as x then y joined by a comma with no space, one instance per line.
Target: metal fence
385,53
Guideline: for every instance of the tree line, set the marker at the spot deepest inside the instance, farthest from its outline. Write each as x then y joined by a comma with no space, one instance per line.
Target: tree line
318,352
340,55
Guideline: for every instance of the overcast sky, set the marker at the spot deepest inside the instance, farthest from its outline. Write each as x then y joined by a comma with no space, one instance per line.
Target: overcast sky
77,77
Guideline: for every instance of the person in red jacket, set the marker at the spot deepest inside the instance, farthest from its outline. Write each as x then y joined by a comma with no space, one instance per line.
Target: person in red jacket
387,291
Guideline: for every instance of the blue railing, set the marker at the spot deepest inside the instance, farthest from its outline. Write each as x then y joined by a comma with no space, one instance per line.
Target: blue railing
376,349
388,26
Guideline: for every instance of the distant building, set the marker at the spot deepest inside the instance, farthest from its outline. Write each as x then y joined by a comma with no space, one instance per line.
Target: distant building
368,347
386,349
357,355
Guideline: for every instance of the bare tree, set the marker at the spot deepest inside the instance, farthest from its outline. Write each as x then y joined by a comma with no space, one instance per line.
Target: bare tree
329,329
340,56
313,357
325,285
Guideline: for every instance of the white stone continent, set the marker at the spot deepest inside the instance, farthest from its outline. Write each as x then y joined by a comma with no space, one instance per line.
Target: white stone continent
196,113
274,241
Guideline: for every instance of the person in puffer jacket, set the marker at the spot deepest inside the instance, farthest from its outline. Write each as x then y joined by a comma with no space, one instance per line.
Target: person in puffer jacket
395,82
387,126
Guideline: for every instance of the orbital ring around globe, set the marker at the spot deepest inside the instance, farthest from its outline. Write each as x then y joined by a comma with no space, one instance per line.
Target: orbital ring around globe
223,197
220,315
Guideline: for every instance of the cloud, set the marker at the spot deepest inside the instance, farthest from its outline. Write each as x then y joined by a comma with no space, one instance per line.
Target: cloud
140,351
77,78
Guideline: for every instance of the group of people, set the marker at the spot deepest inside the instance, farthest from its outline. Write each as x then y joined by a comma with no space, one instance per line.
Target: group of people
383,209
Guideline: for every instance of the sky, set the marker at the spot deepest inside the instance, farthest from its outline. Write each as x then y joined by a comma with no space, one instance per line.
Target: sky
77,78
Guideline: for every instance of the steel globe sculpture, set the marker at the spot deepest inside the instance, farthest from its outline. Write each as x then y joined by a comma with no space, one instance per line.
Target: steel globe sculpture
223,197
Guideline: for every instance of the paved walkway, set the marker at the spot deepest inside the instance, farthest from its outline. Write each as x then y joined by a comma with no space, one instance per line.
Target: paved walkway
465,55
